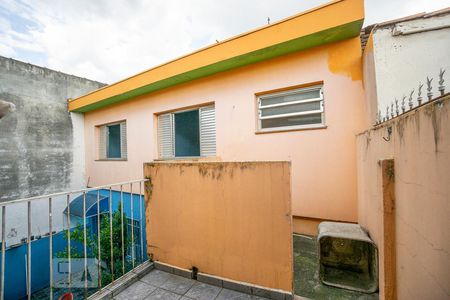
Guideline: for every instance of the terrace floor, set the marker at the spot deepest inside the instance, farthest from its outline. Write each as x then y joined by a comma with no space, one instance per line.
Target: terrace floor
161,285
306,278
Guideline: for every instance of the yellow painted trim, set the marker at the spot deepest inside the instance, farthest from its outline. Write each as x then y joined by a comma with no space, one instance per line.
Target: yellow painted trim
324,17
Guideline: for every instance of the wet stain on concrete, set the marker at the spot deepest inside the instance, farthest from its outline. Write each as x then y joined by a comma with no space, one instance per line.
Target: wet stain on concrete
37,138
36,145
434,112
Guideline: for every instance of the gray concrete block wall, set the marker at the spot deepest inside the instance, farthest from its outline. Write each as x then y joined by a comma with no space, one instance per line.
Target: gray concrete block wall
41,143
37,142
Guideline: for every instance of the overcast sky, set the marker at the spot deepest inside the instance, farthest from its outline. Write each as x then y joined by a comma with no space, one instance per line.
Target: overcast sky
107,40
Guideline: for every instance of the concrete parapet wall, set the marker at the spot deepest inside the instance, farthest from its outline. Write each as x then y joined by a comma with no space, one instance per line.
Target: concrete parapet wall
228,219
420,148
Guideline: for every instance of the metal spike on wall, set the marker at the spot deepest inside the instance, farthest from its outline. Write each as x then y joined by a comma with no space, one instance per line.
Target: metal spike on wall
419,94
397,111
429,88
410,101
406,105
441,87
403,103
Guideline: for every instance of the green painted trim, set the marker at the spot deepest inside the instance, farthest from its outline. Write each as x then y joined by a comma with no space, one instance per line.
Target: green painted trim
313,40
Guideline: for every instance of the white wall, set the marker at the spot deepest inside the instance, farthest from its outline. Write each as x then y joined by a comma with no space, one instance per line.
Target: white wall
404,60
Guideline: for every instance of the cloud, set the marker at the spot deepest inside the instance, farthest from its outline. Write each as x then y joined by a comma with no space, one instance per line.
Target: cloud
384,10
109,40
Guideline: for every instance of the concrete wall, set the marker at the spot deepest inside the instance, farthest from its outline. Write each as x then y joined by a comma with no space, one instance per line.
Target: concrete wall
420,147
370,83
231,220
41,143
404,54
320,158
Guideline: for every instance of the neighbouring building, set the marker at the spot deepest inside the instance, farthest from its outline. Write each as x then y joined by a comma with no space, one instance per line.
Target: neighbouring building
289,91
403,51
409,222
41,143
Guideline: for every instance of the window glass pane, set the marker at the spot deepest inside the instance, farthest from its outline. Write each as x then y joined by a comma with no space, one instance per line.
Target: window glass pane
292,121
300,107
187,134
114,141
290,97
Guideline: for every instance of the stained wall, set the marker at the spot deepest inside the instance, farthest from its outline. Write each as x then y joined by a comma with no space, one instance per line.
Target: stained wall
41,143
228,219
323,160
420,147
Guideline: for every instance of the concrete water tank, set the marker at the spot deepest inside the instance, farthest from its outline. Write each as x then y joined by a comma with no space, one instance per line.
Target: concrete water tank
348,258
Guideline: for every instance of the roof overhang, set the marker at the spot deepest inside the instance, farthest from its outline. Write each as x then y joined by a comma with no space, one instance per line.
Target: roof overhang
335,21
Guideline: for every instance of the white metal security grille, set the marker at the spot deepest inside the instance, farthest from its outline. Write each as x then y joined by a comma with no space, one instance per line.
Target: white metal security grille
207,131
300,108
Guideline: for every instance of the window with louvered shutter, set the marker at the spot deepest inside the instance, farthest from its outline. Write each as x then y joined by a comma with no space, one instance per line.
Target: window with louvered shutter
208,131
112,143
300,108
176,138
102,142
166,136
123,140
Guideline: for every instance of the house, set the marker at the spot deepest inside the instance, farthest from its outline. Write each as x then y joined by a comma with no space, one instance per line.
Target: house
41,144
240,143
291,90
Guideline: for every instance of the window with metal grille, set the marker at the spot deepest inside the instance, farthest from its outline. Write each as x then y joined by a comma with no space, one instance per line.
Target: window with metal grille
187,133
112,142
300,108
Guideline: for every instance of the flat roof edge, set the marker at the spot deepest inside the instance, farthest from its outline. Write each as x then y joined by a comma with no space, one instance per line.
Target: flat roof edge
333,15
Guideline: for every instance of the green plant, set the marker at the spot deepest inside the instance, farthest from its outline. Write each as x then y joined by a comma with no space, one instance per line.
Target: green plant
77,236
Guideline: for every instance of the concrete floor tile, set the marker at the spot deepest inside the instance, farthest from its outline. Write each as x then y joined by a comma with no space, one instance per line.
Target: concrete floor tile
178,284
226,294
160,294
156,278
137,291
202,291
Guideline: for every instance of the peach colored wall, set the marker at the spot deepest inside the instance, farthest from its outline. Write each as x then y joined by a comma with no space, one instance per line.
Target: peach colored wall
420,147
231,220
370,83
323,160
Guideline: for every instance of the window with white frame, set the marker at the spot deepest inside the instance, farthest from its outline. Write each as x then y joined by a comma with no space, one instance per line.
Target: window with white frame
112,144
187,133
299,108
